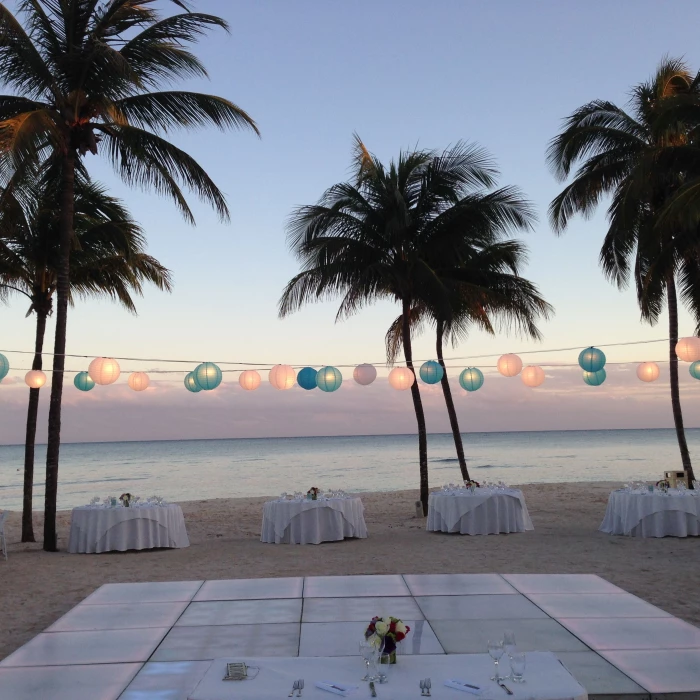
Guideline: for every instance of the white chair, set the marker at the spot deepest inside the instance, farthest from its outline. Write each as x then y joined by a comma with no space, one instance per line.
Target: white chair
3,541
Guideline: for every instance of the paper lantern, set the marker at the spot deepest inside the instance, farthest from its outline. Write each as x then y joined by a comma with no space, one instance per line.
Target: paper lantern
329,379
592,360
83,382
688,349
104,370
471,379
207,376
364,374
532,376
190,383
648,371
509,365
249,380
4,367
431,372
695,370
138,381
306,378
594,378
35,379
401,378
282,377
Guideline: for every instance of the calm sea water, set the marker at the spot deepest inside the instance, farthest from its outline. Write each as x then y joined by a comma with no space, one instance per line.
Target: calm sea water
198,469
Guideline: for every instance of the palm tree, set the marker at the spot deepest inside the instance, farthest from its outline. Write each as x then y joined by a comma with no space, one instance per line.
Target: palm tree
628,155
87,77
108,260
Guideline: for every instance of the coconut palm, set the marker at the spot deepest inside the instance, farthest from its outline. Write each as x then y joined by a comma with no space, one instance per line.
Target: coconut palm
107,260
88,77
630,156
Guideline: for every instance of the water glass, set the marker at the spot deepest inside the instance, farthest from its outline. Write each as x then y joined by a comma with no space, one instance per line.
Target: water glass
367,651
517,667
495,652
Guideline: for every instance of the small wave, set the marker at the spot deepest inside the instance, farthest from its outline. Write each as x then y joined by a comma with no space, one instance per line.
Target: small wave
502,466
446,459
100,481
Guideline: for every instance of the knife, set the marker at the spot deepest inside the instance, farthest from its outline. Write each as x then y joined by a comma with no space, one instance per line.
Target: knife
505,687
372,691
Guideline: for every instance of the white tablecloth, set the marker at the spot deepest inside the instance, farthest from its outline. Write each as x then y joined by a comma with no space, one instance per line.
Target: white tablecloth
545,678
100,529
484,512
676,514
313,522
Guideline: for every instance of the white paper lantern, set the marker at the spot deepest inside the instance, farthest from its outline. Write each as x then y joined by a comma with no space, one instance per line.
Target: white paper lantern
35,379
249,380
509,365
532,376
688,349
138,381
401,378
364,374
104,370
283,377
648,371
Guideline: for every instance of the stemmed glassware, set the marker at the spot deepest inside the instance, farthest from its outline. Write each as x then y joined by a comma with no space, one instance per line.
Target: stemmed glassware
367,651
496,652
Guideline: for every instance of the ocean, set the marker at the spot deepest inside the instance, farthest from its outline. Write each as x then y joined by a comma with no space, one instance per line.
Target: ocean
198,469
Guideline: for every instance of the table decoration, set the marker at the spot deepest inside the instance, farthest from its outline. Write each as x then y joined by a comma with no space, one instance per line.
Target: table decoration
385,633
125,499
312,493
663,485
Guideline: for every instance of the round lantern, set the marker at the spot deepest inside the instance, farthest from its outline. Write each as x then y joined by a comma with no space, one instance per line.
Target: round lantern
104,370
138,381
364,374
688,349
509,365
83,382
431,372
592,360
594,378
329,379
249,380
471,379
207,376
695,370
282,377
191,385
307,378
532,376
401,378
35,379
648,371
4,367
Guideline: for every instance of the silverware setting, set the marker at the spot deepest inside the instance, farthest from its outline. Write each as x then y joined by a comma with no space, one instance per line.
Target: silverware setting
505,687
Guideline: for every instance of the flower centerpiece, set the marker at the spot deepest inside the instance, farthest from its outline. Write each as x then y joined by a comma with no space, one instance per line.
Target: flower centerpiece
663,485
313,492
471,484
125,499
385,633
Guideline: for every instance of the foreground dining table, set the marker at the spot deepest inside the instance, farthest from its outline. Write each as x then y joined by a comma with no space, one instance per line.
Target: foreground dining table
640,513
485,511
301,521
95,529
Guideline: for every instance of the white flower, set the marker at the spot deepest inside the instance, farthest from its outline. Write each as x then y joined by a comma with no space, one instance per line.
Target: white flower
400,627
375,641
381,627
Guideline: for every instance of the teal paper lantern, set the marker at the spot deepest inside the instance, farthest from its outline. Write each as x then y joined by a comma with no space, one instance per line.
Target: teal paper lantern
328,379
83,381
191,384
431,372
306,378
592,360
695,370
471,379
4,367
207,376
594,378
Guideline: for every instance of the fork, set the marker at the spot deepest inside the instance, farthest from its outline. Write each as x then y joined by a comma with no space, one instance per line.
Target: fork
300,686
295,686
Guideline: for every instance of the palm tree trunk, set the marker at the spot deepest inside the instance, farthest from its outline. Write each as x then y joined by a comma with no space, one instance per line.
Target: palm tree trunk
675,391
32,411
445,382
59,358
418,407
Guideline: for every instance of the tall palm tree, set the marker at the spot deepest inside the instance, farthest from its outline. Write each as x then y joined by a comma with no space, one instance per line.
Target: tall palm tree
87,77
628,155
107,260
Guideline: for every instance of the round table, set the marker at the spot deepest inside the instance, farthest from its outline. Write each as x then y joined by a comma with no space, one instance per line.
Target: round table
646,514
484,512
313,522
95,529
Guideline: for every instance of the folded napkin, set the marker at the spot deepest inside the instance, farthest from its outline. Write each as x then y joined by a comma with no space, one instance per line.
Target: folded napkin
462,685
337,688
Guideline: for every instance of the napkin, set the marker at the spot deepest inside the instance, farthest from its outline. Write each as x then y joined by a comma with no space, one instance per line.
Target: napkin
337,688
460,685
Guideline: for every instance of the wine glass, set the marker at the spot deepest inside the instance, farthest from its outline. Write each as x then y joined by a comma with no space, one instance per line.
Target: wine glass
517,667
495,652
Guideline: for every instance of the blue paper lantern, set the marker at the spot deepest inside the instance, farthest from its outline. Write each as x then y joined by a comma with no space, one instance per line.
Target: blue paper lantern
431,372
695,370
471,379
306,378
591,360
83,381
207,376
4,367
329,379
594,378
191,384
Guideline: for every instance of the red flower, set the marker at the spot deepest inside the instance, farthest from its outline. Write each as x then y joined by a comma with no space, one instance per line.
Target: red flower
392,627
400,636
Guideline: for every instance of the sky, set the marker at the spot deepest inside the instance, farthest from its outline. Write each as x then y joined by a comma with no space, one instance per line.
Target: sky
400,74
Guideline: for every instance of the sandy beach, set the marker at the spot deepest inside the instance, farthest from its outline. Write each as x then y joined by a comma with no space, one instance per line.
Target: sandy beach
37,587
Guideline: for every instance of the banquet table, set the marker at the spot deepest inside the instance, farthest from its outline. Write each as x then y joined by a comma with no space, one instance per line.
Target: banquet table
300,521
645,514
545,678
486,511
95,529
